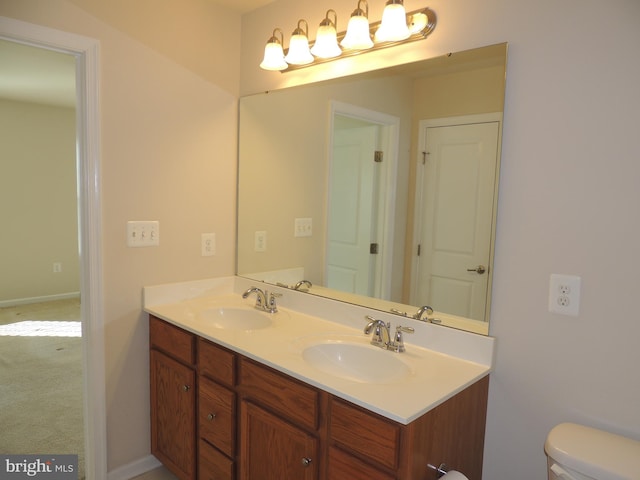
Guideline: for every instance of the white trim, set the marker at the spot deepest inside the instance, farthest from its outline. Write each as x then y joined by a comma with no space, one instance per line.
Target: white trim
388,214
87,54
134,469
41,299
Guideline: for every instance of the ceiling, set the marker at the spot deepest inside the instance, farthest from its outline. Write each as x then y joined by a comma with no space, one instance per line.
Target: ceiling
242,6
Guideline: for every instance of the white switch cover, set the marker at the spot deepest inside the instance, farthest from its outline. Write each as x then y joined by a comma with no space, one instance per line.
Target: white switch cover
260,241
303,227
564,294
208,244
143,233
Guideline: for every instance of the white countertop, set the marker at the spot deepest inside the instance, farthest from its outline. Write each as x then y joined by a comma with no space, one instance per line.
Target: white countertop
442,361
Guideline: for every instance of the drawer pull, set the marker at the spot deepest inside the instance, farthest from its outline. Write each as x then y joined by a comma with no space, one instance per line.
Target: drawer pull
186,388
211,416
306,462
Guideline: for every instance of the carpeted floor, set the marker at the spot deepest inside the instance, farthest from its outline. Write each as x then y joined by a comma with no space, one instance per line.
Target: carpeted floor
41,385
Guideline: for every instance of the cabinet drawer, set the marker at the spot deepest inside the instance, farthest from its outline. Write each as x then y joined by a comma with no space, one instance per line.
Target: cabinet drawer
216,362
216,416
366,433
173,340
213,465
343,466
286,396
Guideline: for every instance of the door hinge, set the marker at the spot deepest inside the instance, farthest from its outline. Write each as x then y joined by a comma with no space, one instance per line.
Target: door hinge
377,156
373,248
419,249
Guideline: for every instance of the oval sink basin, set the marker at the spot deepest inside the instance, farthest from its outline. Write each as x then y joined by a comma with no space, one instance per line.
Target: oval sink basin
232,318
358,362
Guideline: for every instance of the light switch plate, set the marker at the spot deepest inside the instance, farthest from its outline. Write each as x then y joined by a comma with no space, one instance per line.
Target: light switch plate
143,233
303,227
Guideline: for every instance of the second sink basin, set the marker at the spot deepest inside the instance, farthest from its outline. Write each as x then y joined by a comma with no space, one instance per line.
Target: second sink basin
358,362
236,318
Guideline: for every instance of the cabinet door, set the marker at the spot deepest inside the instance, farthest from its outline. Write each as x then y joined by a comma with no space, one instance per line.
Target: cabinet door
272,449
173,415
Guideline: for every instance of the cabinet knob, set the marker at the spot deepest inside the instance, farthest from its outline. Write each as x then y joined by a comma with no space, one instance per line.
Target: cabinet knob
186,388
306,462
211,416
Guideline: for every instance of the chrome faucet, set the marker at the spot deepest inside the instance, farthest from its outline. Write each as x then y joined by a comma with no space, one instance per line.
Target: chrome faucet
381,334
264,300
420,312
302,283
380,337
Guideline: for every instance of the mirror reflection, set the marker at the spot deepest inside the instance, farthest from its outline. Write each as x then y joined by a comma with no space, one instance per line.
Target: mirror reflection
379,188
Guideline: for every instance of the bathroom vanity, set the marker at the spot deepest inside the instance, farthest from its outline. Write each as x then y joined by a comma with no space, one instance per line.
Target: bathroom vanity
234,399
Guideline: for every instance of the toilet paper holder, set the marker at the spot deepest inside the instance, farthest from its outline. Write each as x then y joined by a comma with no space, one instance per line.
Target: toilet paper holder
440,471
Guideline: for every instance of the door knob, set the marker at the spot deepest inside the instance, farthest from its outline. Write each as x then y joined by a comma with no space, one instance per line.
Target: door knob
479,269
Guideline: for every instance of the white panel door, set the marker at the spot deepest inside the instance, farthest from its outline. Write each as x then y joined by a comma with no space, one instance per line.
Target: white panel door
458,190
351,210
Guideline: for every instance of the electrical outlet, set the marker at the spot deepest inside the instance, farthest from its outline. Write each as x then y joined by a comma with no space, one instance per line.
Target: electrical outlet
564,294
143,234
57,267
260,241
208,244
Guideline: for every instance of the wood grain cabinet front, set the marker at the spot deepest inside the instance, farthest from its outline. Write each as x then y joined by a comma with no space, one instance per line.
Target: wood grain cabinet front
217,415
273,449
173,400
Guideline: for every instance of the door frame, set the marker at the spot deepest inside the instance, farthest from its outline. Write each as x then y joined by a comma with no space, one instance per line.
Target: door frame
87,54
417,215
382,285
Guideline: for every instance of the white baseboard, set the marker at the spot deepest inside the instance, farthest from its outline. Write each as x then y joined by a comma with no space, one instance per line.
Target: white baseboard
132,470
45,298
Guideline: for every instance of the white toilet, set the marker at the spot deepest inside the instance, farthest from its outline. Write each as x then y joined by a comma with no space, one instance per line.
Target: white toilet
576,452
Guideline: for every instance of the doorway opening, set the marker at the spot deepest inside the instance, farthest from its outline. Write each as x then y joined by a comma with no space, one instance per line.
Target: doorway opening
86,53
363,152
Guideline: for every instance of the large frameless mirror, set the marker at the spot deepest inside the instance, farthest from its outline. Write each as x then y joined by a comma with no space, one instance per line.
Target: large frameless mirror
380,188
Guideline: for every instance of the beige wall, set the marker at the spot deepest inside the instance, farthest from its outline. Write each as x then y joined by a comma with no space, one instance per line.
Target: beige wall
168,154
568,204
568,201
38,202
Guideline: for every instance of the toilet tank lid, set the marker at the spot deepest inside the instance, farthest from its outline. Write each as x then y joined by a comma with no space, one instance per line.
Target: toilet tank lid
593,452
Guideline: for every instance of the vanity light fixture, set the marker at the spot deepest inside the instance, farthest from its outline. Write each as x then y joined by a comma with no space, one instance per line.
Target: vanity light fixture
274,53
393,27
299,53
326,45
358,36
397,27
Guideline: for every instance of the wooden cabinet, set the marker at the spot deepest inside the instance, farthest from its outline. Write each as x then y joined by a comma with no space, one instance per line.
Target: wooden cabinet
173,401
217,415
274,449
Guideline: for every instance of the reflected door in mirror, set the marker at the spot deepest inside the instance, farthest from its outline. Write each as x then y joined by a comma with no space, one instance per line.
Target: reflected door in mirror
457,191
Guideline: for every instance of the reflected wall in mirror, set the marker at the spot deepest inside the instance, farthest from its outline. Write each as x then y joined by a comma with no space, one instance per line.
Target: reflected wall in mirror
379,188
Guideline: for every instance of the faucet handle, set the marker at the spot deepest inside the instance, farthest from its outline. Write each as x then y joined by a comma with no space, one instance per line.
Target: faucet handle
398,342
271,306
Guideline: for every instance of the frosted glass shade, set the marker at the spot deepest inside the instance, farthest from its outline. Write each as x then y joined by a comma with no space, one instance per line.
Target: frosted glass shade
273,57
299,53
358,36
393,27
326,45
